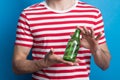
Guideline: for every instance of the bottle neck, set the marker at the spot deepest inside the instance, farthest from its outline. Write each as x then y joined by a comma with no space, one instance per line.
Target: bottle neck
76,34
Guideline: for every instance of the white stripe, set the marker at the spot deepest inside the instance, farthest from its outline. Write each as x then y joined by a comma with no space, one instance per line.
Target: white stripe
53,31
82,49
61,55
66,68
61,25
22,25
99,30
39,77
85,60
39,55
66,74
83,78
22,30
83,55
98,19
87,65
100,24
22,18
88,8
52,38
24,36
24,42
55,50
47,50
62,19
103,40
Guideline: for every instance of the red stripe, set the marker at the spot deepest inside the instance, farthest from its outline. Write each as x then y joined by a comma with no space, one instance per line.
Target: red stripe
62,77
50,41
85,57
98,33
25,45
59,28
39,13
23,33
81,58
24,39
23,28
85,6
102,43
52,35
64,71
48,47
23,16
98,22
100,15
99,27
84,51
66,65
102,37
23,22
80,52
33,9
50,12
84,11
61,17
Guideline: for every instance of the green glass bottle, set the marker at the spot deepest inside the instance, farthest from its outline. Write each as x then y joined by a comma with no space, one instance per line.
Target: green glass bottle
72,46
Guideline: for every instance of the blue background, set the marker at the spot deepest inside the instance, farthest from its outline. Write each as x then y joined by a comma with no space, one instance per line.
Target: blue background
9,14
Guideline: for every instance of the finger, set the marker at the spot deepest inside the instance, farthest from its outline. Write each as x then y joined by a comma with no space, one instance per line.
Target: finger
69,63
51,50
76,64
49,53
82,31
98,36
61,60
77,60
85,30
92,32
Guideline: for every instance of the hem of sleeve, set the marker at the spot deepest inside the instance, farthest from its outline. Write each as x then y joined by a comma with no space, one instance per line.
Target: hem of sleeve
25,45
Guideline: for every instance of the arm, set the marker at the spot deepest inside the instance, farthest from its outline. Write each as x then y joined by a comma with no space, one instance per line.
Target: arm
100,52
21,65
101,56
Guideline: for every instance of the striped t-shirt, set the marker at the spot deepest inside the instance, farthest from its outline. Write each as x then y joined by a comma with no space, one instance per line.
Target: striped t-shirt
42,28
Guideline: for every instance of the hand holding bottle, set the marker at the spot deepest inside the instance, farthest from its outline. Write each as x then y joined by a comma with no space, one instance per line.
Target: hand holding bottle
51,58
89,40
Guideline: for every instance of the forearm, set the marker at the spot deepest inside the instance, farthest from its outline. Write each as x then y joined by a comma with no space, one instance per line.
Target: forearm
101,58
28,66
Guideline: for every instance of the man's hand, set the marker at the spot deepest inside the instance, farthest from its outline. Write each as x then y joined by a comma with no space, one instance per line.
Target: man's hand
100,52
89,40
51,59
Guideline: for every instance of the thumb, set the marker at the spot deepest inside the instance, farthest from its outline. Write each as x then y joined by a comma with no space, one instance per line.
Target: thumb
51,51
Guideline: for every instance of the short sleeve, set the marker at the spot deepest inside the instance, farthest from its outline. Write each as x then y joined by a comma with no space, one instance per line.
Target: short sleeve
99,27
23,34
